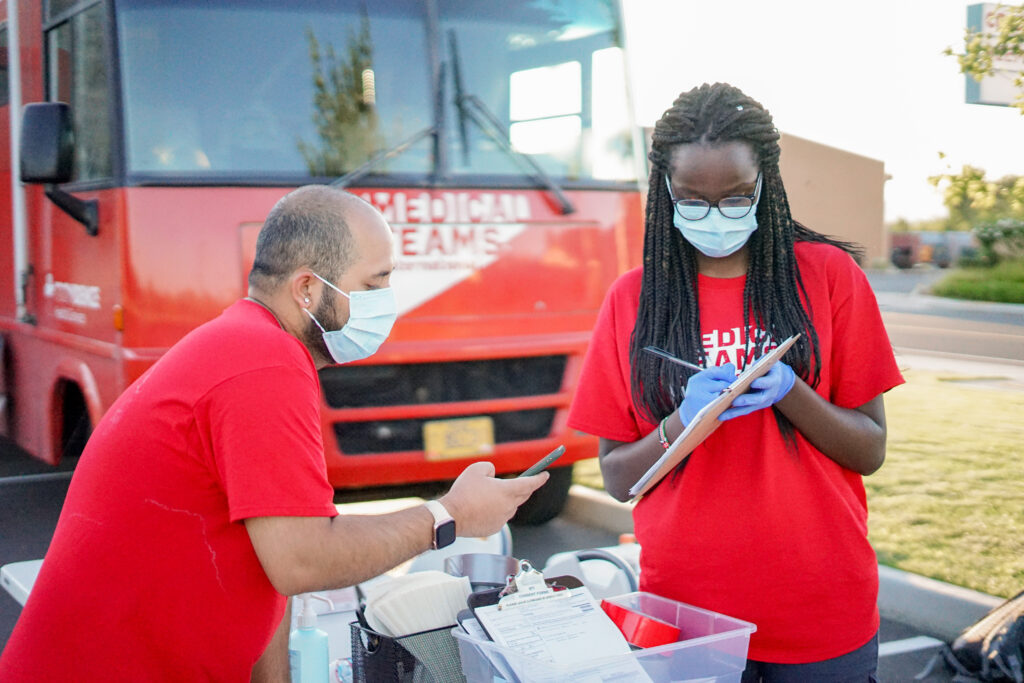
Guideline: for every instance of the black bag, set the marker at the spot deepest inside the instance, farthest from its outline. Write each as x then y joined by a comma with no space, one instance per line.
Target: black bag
992,649
426,657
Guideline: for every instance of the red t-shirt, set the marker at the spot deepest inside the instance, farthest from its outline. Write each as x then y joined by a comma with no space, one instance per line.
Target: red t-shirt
151,574
752,529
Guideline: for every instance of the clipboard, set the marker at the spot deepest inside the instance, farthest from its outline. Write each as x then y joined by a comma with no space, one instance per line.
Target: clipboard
706,421
557,621
528,584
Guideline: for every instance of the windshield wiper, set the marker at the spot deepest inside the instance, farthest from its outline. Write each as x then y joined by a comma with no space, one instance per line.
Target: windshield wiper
469,107
376,159
460,100
436,130
472,107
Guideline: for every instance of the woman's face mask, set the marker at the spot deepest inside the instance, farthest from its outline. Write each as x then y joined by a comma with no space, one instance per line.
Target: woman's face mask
372,314
712,230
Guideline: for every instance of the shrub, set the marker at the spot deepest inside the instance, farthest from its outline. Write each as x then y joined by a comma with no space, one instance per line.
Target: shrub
1000,239
1003,282
970,257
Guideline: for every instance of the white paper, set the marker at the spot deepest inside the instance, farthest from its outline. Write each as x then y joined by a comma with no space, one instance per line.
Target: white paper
416,602
567,628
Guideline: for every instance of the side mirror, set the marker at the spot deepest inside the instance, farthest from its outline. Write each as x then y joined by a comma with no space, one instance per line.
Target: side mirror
48,156
47,143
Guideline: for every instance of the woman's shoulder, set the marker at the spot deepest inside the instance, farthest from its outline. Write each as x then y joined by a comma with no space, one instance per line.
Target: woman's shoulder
628,284
622,299
833,267
827,257
822,251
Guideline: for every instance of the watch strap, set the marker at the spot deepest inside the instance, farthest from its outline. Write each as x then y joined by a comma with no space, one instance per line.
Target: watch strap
439,511
444,524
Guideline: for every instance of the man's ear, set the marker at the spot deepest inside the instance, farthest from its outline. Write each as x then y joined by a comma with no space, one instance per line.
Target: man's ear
303,287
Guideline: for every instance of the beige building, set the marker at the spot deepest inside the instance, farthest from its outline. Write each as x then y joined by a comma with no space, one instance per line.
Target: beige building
837,193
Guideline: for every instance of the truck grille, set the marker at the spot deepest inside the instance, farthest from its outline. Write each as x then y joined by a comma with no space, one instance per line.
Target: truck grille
385,436
368,386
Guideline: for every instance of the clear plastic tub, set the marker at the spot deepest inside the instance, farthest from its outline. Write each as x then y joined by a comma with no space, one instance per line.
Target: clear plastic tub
713,647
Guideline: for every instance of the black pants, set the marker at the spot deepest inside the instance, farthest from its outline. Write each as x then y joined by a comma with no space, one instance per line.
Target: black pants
858,666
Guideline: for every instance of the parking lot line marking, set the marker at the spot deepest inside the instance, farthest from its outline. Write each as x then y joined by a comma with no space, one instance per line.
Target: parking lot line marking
898,647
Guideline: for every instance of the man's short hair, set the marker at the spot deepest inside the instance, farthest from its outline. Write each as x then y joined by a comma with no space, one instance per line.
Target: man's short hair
307,228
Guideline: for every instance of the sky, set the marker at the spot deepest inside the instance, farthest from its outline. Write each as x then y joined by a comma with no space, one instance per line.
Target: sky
868,77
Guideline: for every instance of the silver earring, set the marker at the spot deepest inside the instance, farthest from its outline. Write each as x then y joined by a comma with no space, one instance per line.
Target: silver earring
306,299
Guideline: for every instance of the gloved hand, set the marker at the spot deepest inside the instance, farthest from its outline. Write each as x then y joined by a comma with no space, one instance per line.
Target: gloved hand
703,388
763,392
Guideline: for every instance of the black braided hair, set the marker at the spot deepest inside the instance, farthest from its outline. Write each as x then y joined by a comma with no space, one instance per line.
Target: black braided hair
668,316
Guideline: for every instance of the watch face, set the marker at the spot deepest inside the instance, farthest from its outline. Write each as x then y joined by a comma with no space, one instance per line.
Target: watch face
444,534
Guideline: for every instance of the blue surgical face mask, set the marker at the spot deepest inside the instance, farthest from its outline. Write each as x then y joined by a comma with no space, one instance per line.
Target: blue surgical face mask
715,235
371,314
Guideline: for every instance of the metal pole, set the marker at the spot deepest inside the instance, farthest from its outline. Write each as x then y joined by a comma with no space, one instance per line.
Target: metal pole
19,230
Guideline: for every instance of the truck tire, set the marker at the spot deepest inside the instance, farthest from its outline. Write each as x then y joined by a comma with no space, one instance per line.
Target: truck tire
76,427
548,501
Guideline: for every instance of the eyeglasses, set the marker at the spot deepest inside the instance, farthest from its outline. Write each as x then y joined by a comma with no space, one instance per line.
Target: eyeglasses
730,207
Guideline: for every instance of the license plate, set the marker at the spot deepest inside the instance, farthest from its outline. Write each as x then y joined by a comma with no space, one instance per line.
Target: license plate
461,438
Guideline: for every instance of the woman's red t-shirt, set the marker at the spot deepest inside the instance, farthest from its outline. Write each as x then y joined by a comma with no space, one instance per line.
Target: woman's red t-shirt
751,528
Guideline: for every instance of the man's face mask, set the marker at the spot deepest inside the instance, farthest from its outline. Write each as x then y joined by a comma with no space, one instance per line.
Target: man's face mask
371,315
716,231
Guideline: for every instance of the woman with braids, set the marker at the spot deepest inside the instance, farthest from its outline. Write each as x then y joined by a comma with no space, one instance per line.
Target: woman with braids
767,519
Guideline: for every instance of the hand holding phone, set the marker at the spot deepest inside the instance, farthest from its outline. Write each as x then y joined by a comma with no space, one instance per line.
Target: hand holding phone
543,463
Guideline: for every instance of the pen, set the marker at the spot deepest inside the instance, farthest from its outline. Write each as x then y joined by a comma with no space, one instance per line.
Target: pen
661,353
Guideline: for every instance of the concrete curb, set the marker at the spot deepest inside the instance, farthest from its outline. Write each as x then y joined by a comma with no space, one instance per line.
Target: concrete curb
921,292
919,301
598,510
937,608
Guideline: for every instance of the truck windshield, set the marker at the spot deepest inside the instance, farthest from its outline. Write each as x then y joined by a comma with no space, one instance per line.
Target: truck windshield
259,90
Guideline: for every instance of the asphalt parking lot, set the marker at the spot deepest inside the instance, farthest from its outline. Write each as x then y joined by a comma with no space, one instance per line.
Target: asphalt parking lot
31,495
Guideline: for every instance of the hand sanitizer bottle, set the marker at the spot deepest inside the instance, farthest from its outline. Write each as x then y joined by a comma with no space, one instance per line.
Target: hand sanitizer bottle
307,647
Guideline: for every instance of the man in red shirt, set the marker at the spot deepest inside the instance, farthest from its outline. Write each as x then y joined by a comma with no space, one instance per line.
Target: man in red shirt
202,500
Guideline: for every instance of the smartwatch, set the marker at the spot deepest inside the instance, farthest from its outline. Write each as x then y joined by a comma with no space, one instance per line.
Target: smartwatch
444,525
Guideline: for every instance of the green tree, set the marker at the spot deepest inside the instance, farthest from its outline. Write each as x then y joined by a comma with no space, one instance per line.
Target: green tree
973,200
344,107
992,209
1005,43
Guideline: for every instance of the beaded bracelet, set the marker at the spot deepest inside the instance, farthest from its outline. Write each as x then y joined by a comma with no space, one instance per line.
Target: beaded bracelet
663,435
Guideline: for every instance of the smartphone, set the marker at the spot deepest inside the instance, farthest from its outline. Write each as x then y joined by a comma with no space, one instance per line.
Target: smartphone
543,463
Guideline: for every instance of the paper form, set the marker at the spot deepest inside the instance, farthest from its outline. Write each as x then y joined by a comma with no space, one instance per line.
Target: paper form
565,627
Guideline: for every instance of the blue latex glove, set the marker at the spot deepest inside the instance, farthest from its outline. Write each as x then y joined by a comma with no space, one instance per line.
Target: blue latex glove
763,392
703,388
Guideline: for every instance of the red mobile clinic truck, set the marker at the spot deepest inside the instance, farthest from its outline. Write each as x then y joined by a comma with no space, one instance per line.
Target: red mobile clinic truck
143,142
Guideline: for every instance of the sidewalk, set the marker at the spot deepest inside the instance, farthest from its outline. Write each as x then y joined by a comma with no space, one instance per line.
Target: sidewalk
979,372
927,304
934,607
976,370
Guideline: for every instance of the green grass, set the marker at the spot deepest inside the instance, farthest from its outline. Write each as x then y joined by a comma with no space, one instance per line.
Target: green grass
949,501
1003,282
